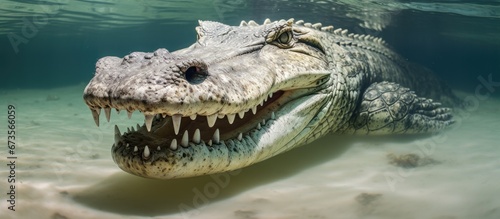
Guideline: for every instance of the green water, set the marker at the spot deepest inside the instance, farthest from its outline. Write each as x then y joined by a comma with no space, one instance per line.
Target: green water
56,43
65,169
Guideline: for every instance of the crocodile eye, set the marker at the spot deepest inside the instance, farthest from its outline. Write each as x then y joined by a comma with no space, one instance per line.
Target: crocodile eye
285,37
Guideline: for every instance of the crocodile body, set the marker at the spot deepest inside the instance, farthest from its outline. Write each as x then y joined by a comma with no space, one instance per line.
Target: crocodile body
242,94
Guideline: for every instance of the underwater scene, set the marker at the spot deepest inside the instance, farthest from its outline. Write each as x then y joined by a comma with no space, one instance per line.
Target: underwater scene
250,109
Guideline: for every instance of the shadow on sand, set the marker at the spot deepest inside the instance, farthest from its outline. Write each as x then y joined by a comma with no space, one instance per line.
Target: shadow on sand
123,193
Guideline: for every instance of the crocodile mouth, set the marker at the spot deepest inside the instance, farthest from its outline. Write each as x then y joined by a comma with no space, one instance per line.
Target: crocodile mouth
165,134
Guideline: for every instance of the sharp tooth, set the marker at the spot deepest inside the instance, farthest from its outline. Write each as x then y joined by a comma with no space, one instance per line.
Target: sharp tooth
164,115
220,116
185,139
265,99
146,153
210,142
173,144
129,114
261,104
128,145
128,129
240,136
132,128
216,136
211,120
107,112
148,121
263,122
254,110
192,117
158,148
241,114
273,116
197,136
117,131
176,120
230,118
117,135
95,115
271,95
117,139
258,126
135,149
137,126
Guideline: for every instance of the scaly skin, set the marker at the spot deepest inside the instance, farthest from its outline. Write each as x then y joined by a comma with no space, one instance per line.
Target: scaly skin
240,95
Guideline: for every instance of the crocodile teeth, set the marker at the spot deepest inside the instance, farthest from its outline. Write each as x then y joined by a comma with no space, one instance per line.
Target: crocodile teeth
230,118
107,112
117,135
132,128
197,136
271,95
211,120
135,149
263,122
185,139
129,114
158,148
146,153
149,121
240,136
241,114
128,129
254,110
221,116
176,120
95,115
273,116
173,144
117,131
137,126
258,126
192,117
216,136
210,142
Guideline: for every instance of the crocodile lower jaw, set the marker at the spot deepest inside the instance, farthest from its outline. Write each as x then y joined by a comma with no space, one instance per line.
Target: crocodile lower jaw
170,132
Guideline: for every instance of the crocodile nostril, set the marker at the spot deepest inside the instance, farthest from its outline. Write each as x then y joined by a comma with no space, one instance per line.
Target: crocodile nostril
195,74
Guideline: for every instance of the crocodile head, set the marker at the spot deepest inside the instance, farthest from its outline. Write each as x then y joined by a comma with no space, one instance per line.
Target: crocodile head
239,95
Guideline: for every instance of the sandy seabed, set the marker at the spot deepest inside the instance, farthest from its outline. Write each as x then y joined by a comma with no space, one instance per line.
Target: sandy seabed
64,170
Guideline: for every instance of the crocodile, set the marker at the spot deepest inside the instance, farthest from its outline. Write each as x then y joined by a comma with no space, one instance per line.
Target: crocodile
243,94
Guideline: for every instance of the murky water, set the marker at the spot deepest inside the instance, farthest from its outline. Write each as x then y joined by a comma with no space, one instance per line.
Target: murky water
48,51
